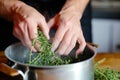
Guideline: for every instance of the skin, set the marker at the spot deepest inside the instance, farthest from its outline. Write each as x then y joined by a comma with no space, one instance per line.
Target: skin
67,21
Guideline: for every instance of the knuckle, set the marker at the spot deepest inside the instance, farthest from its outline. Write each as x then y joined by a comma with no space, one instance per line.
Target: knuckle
42,18
27,19
72,45
65,22
57,39
65,42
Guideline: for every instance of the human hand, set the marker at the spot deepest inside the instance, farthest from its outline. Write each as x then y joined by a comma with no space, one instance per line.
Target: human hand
68,32
26,20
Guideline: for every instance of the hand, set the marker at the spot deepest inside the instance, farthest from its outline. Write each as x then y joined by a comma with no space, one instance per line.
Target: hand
26,20
68,32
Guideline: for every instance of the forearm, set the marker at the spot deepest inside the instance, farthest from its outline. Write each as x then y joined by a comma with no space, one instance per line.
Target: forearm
77,6
7,7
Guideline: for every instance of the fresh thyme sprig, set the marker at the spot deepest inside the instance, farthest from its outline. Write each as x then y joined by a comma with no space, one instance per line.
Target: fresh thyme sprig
45,56
105,73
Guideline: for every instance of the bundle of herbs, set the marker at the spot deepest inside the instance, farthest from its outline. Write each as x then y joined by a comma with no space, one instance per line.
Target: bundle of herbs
45,56
105,73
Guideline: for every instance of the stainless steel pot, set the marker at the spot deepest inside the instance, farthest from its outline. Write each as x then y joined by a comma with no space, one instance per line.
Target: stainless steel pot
80,70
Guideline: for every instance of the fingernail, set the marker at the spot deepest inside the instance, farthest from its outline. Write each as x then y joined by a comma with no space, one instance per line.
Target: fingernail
53,48
60,52
47,36
34,50
37,46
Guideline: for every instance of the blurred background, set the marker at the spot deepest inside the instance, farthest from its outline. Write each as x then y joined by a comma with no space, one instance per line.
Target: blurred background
106,25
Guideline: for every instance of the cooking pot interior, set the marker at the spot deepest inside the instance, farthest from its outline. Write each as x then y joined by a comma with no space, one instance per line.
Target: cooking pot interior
20,54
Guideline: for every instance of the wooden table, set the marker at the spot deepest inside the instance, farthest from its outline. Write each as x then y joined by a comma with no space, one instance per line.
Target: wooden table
3,59
112,60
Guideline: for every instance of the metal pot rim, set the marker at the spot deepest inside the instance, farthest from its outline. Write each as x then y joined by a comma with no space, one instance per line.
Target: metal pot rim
53,66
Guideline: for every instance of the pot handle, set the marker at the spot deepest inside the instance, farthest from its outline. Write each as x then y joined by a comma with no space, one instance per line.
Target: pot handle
92,44
8,70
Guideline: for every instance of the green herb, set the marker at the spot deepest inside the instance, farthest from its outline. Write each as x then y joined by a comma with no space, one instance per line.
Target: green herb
45,56
105,73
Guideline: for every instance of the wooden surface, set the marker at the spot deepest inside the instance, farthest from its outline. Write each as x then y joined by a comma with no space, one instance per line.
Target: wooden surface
2,57
112,60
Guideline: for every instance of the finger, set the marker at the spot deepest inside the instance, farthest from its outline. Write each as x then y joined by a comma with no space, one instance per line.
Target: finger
71,46
32,30
20,32
64,43
28,38
44,27
16,32
37,46
33,33
82,45
17,29
58,37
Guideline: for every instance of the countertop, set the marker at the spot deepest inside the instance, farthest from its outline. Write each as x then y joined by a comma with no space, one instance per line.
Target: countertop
112,60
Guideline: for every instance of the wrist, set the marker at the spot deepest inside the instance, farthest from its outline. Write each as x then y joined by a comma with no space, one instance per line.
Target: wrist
16,8
7,8
76,7
73,10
